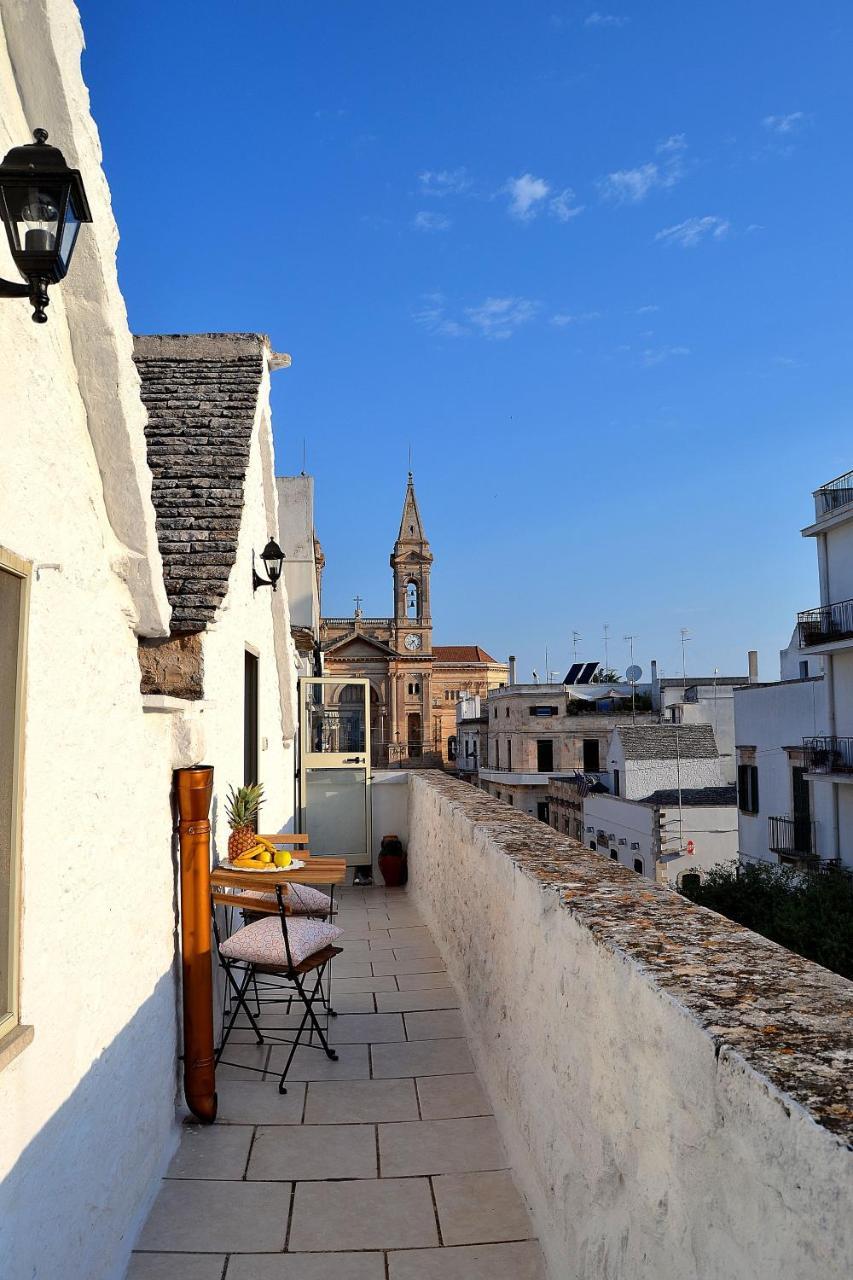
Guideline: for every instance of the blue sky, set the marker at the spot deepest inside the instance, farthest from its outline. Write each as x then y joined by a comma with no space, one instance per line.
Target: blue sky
591,264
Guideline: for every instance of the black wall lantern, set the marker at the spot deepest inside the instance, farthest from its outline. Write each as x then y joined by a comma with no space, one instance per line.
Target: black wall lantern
42,203
273,558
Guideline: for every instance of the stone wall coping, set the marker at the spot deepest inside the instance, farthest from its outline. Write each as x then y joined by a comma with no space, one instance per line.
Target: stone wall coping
789,1019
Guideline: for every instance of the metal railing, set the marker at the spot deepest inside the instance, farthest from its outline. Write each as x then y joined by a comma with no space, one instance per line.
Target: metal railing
825,624
829,755
836,493
792,837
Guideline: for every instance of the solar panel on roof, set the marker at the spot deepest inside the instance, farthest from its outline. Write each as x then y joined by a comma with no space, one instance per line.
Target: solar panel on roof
574,671
589,669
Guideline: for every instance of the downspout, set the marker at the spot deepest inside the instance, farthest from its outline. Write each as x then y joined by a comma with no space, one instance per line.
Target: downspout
194,790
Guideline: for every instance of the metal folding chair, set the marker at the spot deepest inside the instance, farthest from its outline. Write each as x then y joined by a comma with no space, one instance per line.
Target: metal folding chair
260,949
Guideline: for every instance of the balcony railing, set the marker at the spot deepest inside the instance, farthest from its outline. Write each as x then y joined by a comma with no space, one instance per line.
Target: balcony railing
829,755
837,493
825,625
792,837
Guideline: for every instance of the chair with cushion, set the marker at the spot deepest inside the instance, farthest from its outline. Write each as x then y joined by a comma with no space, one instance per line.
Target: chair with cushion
295,950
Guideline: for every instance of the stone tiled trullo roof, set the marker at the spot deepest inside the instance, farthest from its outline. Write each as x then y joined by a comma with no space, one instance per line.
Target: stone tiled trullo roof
665,742
201,393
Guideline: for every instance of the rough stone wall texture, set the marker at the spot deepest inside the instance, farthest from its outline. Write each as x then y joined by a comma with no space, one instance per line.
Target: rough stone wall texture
674,1092
201,393
172,665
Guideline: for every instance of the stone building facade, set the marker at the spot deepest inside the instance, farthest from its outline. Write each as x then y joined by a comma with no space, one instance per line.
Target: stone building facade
414,684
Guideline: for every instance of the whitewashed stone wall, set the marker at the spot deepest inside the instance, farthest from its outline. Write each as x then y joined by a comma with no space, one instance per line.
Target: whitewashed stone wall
671,1088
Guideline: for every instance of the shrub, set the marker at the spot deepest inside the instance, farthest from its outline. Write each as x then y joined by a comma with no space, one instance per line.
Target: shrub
810,913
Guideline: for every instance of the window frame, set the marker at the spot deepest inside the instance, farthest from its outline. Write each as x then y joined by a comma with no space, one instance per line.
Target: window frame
22,569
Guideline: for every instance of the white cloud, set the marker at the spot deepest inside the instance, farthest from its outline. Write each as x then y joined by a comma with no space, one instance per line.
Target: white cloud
789,123
689,233
659,355
644,311
562,206
563,318
630,186
498,318
433,317
444,182
425,221
495,318
596,19
529,196
525,195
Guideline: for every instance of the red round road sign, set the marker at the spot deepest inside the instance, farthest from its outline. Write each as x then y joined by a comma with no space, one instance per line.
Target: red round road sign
690,846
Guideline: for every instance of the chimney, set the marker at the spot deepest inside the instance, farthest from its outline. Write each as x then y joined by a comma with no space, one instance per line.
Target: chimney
752,659
512,668
654,670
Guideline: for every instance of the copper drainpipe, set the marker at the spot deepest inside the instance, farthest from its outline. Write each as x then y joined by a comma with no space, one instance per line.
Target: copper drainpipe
194,789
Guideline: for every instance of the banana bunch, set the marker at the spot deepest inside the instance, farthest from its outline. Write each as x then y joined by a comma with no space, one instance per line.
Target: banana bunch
263,853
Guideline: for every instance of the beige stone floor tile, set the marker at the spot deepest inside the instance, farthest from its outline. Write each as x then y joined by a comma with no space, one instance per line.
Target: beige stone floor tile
175,1266
521,1261
423,981
218,1217
389,964
353,1001
434,1024
405,937
363,933
366,1028
353,1063
237,1057
443,1097
381,944
421,1058
387,1213
313,1151
380,982
352,967
416,951
306,1266
259,1102
361,1102
478,1208
440,1146
217,1151
415,1001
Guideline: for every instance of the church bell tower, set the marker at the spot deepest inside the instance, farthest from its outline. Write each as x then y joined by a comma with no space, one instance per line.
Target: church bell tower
411,560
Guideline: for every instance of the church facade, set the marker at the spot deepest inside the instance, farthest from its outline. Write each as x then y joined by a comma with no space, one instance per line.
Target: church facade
414,684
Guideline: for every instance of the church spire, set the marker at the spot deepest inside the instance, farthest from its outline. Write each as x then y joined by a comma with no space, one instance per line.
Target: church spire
411,528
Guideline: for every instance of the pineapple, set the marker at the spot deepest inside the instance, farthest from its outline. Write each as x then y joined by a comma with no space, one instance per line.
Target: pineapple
241,810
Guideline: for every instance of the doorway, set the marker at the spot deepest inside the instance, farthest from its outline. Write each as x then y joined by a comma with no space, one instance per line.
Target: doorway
250,719
544,755
413,733
802,807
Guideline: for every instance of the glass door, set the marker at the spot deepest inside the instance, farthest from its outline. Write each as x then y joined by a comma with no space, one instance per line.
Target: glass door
334,729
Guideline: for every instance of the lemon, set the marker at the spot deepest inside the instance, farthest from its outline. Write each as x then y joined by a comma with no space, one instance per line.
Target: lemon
282,858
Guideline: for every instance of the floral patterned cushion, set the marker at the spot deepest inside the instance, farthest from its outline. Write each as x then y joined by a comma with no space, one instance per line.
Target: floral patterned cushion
263,941
303,900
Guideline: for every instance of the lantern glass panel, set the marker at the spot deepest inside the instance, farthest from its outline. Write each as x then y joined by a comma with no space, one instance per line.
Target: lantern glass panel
34,216
69,234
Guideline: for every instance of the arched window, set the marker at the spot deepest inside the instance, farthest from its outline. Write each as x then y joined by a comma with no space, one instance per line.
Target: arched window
614,855
638,866
413,600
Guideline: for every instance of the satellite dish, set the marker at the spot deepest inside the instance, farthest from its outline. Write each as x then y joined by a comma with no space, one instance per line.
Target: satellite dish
633,674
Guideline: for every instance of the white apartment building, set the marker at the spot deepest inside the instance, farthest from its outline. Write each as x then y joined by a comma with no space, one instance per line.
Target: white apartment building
782,818
670,812
471,721
828,630
702,700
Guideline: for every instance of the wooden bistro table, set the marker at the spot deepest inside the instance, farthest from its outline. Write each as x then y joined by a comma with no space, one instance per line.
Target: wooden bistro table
234,888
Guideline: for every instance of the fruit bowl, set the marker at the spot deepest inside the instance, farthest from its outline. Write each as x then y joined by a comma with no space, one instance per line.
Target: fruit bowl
264,867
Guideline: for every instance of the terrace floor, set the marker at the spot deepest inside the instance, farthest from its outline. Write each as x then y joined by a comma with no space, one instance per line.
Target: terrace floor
385,1165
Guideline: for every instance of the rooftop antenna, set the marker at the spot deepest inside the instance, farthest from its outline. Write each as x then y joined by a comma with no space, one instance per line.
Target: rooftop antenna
304,455
576,635
685,637
606,639
633,677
